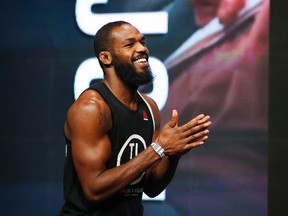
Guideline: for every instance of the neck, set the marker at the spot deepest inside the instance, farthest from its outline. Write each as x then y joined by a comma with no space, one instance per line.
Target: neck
126,95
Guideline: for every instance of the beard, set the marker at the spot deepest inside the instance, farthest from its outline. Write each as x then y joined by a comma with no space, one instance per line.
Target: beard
129,76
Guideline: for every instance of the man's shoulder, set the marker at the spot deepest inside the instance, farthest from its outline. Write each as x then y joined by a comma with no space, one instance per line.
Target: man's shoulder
89,97
90,108
88,102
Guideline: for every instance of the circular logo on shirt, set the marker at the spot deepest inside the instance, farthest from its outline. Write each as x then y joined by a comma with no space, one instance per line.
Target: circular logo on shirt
133,145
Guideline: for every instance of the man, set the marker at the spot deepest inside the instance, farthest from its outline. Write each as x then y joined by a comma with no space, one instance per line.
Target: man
110,160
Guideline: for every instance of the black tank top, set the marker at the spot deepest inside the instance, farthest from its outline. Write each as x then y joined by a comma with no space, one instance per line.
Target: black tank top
130,134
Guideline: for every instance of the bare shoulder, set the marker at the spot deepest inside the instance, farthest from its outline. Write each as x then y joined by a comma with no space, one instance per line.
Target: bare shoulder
89,100
88,111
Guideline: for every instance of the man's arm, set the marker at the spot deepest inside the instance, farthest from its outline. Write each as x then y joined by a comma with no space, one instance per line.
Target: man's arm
87,126
181,140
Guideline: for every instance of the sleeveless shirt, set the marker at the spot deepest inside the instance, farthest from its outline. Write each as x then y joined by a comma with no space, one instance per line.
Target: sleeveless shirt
130,134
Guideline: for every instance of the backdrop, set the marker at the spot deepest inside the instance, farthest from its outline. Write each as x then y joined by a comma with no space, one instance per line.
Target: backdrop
47,59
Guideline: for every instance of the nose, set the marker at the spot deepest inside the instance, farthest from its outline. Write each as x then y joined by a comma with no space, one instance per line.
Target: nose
142,48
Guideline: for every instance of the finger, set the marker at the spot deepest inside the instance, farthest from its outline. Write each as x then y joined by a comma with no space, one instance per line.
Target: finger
204,119
195,144
188,131
174,120
175,114
195,121
200,119
197,136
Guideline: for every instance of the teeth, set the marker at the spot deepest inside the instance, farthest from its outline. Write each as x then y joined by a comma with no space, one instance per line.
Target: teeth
141,60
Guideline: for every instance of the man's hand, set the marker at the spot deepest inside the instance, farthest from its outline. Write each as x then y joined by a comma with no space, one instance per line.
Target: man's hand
178,140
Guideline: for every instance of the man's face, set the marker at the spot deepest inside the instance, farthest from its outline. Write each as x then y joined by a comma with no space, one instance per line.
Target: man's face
130,56
129,75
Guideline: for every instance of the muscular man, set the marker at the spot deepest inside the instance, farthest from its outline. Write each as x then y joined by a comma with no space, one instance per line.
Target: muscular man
115,150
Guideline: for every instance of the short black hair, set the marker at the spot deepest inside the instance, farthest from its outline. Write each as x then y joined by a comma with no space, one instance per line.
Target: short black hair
102,38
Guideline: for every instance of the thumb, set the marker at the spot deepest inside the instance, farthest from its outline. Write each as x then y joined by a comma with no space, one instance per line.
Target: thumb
174,120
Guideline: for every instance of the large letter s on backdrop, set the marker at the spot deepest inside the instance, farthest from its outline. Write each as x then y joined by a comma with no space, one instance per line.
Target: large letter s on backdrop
146,22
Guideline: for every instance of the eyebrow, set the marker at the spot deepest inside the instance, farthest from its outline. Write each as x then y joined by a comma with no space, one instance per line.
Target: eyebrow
133,39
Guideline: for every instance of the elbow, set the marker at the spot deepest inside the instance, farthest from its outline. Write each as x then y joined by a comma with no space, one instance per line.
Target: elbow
95,198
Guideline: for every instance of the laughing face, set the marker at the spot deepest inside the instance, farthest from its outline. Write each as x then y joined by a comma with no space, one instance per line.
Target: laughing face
130,56
129,75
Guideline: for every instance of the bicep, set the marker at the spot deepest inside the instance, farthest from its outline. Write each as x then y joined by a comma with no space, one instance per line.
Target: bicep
90,143
90,156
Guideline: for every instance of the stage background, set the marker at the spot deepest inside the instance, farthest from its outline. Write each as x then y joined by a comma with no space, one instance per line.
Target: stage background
41,50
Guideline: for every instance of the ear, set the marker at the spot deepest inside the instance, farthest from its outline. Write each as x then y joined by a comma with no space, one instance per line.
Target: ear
105,57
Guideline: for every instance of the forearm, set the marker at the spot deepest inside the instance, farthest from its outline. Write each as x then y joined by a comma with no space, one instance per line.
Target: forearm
102,185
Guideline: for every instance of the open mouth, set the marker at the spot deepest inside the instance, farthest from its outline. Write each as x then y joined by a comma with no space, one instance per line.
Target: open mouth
143,60
140,59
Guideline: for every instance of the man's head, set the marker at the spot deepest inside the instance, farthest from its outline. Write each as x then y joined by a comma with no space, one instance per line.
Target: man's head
102,39
120,46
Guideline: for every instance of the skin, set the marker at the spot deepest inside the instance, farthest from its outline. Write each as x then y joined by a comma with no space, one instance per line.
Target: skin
225,10
89,120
